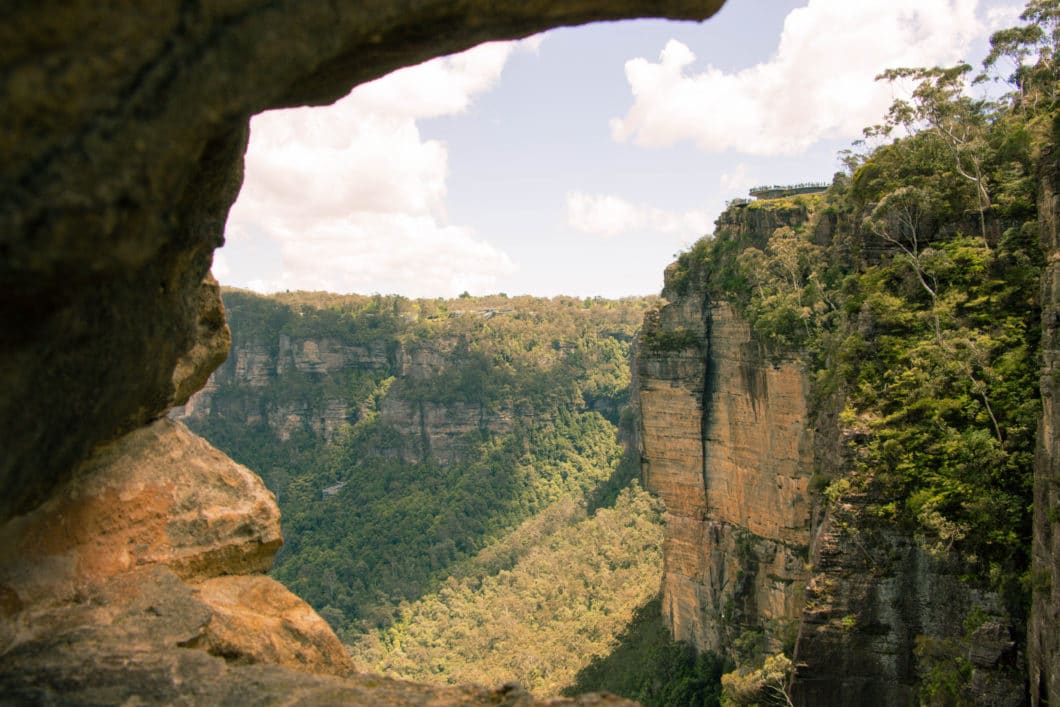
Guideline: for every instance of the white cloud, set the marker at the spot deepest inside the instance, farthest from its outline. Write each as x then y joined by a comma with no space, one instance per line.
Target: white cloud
220,267
1003,16
388,252
607,215
739,179
818,84
355,197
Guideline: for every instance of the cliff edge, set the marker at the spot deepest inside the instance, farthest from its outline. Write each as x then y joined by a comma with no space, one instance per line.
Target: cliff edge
785,530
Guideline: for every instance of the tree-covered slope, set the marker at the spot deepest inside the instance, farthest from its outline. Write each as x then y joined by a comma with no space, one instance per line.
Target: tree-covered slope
540,620
404,437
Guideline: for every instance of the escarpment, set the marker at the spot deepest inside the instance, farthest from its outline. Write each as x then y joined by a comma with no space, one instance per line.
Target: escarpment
727,446
127,539
782,530
295,375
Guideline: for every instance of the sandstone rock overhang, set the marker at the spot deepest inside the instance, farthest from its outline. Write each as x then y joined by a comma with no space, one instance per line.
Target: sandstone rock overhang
122,130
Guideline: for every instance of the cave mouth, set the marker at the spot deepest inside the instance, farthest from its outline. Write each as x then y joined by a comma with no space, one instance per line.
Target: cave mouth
127,132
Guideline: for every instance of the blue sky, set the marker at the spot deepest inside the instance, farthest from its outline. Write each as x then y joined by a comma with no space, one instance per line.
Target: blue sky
576,162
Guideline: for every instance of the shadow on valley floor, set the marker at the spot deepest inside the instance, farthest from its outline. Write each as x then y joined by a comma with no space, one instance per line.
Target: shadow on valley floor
650,667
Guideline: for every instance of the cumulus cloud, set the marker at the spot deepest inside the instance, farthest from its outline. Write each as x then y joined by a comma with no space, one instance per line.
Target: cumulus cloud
1002,16
739,179
220,267
818,84
354,196
607,215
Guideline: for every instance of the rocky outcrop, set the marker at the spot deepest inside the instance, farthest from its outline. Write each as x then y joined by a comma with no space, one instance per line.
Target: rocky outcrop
1044,630
161,526
255,619
726,445
159,495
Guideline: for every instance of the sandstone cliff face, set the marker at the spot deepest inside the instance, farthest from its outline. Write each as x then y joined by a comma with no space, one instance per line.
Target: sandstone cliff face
727,446
730,442
442,433
254,365
293,384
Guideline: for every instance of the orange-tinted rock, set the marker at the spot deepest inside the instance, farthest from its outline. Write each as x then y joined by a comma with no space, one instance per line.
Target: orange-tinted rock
727,445
160,495
255,619
107,561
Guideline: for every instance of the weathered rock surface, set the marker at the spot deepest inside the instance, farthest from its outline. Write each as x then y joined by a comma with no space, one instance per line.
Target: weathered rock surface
159,495
881,613
210,347
327,355
726,444
122,131
255,619
146,548
146,637
441,432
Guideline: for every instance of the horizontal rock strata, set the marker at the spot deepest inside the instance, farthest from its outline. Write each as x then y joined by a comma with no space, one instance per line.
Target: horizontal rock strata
727,445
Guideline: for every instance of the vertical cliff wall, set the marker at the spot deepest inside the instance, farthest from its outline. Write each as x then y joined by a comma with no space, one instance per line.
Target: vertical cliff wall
740,443
727,444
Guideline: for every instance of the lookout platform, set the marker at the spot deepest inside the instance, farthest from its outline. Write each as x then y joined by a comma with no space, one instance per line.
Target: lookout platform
777,191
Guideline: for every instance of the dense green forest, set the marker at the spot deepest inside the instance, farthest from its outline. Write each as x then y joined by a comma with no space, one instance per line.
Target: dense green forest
524,394
522,555
540,619
909,290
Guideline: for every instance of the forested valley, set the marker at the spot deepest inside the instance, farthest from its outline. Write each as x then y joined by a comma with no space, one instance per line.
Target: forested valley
457,477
